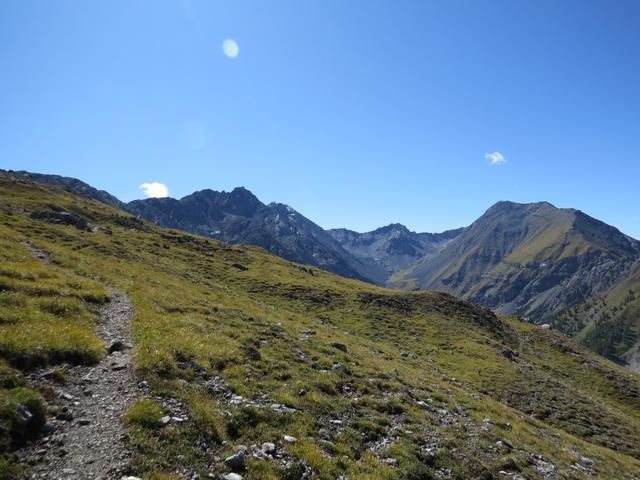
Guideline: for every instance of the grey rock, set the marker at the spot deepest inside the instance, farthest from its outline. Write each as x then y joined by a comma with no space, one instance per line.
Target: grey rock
48,428
61,218
197,366
117,346
268,447
509,354
236,461
341,367
232,476
340,346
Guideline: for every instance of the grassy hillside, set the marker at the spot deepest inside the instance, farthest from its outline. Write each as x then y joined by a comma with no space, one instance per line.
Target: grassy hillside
609,323
372,383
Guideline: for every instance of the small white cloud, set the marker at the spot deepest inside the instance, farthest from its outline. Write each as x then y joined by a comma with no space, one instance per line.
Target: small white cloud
495,158
230,48
155,190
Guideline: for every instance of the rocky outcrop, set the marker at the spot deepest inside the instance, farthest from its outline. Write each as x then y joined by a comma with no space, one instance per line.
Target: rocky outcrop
239,217
394,247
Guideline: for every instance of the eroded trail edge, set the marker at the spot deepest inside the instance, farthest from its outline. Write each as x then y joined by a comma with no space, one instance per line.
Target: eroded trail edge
85,437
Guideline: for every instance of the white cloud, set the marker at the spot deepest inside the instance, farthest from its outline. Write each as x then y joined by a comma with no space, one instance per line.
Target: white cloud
495,158
155,189
230,48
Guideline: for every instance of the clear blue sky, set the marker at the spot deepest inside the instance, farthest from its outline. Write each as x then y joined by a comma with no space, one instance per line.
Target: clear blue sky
356,113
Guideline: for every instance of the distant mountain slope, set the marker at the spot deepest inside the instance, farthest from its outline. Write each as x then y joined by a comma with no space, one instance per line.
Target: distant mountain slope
535,260
609,323
72,184
239,217
393,247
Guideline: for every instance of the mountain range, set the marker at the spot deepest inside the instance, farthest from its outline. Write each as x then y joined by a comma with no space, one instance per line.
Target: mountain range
546,264
130,351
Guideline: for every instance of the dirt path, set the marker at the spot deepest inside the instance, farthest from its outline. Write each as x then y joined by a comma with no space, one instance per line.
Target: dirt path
85,437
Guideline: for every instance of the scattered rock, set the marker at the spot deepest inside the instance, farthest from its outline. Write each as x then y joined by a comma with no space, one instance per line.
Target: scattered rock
232,476
340,346
117,346
509,354
236,461
341,367
197,366
25,413
276,407
423,405
546,468
48,428
61,218
289,439
65,415
586,460
268,447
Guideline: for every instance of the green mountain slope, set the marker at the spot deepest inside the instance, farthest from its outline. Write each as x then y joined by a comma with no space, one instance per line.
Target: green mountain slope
533,260
372,383
609,323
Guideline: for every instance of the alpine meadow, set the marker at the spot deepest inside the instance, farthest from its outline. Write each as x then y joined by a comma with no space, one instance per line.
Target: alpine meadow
301,240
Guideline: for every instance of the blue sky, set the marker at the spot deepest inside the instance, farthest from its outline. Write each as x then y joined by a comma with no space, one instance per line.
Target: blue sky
356,113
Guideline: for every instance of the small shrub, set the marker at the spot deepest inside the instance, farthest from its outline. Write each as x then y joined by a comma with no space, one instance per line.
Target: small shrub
208,419
145,413
22,415
9,377
61,307
59,375
370,430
